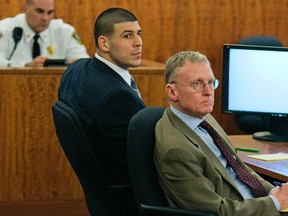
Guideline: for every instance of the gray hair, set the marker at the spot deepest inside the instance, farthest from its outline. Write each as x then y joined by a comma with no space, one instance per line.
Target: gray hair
29,2
178,60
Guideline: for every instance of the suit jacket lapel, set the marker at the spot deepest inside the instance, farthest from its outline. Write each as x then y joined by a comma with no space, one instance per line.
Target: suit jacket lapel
197,141
106,69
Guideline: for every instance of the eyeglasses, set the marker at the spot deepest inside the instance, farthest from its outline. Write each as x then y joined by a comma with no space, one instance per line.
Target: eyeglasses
199,85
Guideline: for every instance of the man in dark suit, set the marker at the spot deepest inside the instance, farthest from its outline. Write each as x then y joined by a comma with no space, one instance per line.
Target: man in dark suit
197,166
101,91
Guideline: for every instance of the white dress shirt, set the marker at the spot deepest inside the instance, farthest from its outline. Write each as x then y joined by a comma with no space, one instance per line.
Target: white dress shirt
58,41
123,73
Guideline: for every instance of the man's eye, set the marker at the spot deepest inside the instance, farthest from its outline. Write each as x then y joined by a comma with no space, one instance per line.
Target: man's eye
39,11
197,83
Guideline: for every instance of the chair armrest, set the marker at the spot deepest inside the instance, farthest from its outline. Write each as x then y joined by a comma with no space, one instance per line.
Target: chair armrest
174,211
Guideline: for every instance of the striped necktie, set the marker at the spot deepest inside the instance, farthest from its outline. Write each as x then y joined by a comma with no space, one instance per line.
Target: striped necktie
243,174
134,87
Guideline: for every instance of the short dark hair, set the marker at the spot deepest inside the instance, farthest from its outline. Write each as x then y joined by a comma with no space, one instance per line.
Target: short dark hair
30,2
104,24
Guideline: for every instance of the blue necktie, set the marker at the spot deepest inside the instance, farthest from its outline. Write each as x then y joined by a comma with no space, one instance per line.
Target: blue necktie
134,87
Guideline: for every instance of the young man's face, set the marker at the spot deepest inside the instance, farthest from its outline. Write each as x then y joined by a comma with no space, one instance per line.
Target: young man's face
125,45
39,14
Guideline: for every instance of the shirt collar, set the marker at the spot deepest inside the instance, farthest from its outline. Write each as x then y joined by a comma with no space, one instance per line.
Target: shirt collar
191,121
123,73
28,32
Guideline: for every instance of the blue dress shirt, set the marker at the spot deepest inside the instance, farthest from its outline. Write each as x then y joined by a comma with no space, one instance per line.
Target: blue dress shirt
193,123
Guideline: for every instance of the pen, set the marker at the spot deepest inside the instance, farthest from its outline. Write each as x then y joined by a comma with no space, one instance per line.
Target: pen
247,149
277,183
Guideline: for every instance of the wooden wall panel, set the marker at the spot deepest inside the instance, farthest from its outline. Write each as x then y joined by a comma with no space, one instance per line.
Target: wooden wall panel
34,167
32,161
169,27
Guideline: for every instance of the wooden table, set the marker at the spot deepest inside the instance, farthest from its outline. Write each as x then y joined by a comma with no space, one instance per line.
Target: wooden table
276,169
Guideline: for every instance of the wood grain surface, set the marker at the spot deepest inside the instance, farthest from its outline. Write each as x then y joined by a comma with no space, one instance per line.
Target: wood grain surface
28,142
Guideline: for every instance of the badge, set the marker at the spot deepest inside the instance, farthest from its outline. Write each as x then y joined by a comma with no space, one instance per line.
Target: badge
51,50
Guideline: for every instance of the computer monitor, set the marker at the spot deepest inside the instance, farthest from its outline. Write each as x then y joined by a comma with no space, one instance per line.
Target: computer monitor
255,81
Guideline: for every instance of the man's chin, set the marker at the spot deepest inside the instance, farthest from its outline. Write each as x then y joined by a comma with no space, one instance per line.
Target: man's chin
208,110
136,63
41,28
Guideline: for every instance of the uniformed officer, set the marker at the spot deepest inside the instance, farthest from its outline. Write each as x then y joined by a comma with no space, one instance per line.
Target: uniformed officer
55,40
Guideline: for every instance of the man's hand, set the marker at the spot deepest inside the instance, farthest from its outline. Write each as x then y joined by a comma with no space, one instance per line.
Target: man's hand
281,194
37,62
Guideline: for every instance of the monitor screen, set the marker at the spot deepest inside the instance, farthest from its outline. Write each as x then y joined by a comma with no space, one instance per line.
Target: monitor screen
255,81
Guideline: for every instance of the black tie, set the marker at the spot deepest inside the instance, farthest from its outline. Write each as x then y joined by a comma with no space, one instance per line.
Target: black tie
134,87
36,47
242,173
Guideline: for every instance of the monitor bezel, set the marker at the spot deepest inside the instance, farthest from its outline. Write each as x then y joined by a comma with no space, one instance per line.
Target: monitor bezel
225,77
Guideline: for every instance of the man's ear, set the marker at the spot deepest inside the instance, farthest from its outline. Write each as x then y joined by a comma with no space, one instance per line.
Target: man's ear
103,43
171,92
23,8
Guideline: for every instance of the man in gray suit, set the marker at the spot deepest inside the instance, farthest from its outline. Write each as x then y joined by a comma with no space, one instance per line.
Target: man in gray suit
193,171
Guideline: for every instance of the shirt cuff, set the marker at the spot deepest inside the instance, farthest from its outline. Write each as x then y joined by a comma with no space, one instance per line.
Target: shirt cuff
277,204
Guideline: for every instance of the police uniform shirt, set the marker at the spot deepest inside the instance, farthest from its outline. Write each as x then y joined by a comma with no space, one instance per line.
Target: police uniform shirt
58,41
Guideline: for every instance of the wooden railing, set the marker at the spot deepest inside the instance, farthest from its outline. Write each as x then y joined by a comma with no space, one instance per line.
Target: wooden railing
34,167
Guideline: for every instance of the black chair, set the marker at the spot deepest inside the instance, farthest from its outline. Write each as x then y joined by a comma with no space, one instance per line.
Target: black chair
255,123
75,141
261,40
141,138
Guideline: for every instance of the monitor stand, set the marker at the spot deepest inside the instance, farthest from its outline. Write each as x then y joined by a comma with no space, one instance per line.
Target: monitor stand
278,130
268,136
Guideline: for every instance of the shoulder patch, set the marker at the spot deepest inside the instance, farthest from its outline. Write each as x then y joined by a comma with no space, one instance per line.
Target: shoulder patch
76,37
1,35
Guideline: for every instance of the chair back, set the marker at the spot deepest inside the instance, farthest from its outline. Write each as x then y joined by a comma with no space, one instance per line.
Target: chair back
140,149
76,144
149,195
261,40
